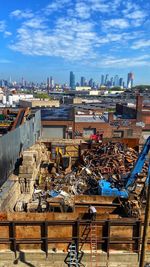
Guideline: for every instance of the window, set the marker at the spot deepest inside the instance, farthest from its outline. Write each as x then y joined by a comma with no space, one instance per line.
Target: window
129,132
118,134
87,132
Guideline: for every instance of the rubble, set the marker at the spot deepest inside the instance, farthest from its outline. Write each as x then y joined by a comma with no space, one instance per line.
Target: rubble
54,186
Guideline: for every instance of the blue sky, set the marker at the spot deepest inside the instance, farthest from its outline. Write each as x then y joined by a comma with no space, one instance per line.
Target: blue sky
41,38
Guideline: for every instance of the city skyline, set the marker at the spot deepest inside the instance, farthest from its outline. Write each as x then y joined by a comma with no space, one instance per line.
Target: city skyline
49,38
50,82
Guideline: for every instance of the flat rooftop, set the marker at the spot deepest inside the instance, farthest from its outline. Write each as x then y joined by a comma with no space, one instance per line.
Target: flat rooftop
91,118
57,114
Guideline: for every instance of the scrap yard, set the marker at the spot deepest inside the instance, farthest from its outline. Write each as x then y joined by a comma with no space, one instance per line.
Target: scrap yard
45,202
51,178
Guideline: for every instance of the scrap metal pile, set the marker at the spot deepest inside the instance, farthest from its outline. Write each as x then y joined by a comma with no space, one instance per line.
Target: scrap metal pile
114,162
57,184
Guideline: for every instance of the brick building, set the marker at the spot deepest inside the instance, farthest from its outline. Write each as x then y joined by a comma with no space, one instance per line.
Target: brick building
139,114
57,123
65,122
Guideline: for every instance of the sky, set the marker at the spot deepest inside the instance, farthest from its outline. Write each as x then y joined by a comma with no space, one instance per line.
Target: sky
41,38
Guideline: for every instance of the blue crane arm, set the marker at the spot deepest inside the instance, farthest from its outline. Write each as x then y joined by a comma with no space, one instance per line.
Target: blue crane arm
139,164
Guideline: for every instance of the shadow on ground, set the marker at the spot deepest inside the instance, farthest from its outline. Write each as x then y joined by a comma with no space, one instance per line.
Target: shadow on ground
22,258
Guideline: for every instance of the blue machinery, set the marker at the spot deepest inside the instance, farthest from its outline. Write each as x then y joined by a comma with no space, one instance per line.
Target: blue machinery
106,188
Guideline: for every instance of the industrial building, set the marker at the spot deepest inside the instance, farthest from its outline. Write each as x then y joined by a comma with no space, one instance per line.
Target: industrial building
34,103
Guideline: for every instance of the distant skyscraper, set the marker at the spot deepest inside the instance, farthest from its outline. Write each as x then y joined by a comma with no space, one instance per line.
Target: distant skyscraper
48,83
111,81
51,82
121,82
22,82
106,79
116,80
72,80
91,82
102,79
82,81
130,80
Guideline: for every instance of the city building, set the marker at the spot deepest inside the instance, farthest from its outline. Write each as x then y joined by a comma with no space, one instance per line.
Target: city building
48,84
57,123
121,82
130,80
51,83
32,103
116,80
111,81
102,79
106,79
83,81
72,80
91,83
83,88
139,113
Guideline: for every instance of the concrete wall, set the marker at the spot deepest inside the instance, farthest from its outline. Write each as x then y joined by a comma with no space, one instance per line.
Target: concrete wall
9,194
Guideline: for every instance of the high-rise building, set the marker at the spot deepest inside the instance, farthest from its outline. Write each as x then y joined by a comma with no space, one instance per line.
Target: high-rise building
82,81
48,84
51,82
116,80
91,82
130,80
72,80
111,81
121,82
22,82
106,79
102,79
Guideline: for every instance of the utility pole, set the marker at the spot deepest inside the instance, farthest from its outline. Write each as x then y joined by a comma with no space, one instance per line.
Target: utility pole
146,223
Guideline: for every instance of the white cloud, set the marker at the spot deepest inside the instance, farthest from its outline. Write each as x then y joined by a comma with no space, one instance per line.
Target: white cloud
35,23
141,44
137,17
127,62
3,29
71,39
22,14
103,6
130,7
82,10
7,34
80,29
2,26
116,23
138,14
55,6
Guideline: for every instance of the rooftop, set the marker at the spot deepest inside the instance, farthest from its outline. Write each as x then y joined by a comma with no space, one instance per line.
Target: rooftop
91,118
57,114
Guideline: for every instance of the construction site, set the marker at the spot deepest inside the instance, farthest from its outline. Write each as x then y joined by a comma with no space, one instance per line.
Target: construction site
45,204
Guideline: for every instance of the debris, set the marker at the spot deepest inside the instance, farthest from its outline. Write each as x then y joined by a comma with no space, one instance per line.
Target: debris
59,182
